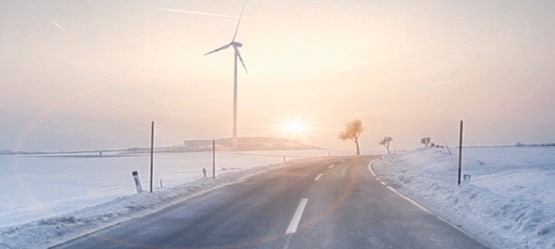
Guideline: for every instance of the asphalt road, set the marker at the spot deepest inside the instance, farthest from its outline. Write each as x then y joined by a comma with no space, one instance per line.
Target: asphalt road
309,204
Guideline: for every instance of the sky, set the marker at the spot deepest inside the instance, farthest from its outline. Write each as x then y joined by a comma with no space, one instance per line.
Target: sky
94,74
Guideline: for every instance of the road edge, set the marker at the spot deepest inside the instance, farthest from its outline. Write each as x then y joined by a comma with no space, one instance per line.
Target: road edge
415,203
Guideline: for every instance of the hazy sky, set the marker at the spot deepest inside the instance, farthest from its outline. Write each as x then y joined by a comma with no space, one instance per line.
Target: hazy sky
93,74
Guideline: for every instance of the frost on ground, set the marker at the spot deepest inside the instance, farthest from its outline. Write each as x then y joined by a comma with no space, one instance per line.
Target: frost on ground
51,231
508,203
38,187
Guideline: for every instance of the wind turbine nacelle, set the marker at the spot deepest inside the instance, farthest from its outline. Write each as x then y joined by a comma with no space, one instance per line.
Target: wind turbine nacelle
236,44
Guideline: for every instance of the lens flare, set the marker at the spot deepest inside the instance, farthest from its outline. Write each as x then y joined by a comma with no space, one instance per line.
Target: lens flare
295,128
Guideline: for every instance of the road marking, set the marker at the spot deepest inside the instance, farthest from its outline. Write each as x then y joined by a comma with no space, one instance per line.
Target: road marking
377,178
287,242
318,177
294,224
410,200
423,208
331,166
442,219
344,170
370,168
382,183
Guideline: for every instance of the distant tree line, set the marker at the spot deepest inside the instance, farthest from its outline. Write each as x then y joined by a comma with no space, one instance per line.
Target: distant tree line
518,144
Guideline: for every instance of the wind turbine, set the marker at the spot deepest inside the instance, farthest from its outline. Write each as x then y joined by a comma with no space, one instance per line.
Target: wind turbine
237,55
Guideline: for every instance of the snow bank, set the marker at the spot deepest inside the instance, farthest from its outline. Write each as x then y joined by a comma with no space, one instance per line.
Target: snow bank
45,233
509,202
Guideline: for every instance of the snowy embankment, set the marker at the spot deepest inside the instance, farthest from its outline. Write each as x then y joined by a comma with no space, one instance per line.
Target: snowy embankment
508,203
47,232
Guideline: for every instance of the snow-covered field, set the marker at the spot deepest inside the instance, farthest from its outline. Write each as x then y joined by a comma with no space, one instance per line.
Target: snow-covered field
54,199
508,203
36,187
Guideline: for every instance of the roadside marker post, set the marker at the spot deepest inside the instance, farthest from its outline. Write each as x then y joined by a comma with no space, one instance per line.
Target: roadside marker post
466,178
137,180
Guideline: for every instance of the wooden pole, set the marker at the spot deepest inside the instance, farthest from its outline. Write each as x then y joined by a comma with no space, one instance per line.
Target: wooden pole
460,153
151,155
214,158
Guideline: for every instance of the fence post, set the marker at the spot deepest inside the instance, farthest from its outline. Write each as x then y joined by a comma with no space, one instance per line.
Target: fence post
151,155
460,153
214,158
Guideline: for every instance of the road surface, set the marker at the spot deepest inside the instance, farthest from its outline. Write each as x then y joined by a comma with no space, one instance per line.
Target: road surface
332,202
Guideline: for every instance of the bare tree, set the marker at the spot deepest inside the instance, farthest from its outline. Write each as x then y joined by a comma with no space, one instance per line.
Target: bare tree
386,142
426,141
352,132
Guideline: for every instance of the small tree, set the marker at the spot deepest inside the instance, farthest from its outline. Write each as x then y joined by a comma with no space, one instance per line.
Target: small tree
386,142
352,132
426,141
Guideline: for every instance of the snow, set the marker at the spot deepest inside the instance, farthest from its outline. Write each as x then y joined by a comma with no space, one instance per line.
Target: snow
51,230
508,203
36,187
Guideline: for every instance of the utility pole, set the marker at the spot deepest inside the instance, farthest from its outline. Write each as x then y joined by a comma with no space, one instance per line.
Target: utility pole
151,155
460,153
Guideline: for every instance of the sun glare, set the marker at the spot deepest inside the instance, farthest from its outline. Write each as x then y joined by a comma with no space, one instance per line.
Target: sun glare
294,128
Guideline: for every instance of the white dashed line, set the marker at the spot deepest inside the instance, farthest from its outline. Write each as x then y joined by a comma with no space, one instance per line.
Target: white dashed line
382,183
344,170
294,224
331,166
318,177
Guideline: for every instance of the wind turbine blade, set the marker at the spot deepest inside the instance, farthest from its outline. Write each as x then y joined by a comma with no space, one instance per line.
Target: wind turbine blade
239,21
57,25
218,49
196,13
241,59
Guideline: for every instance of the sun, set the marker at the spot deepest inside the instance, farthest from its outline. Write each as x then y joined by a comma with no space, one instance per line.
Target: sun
294,128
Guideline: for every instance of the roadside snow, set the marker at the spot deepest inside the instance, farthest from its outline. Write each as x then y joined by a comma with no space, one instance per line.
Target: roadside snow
48,232
509,202
38,187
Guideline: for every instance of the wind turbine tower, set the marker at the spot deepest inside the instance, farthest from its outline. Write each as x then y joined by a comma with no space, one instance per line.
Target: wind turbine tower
237,55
